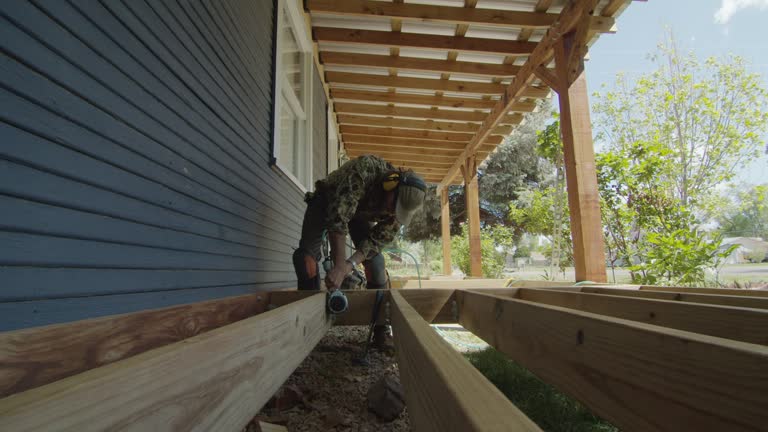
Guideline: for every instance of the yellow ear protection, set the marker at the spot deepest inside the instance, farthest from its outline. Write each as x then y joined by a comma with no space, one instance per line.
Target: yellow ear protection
391,181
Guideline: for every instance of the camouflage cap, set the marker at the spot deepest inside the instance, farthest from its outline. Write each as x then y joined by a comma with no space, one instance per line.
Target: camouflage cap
410,197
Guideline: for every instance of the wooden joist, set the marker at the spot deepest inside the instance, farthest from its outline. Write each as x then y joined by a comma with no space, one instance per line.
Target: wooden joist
714,299
395,142
213,381
422,41
638,376
443,390
442,156
428,125
333,58
721,291
412,99
37,356
742,324
455,86
447,14
410,133
417,113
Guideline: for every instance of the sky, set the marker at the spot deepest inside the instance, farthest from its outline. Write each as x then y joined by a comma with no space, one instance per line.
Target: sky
708,27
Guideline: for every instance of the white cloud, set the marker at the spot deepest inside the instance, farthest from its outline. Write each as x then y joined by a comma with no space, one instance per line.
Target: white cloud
729,7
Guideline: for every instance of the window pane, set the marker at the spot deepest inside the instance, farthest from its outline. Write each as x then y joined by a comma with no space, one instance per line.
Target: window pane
288,139
291,58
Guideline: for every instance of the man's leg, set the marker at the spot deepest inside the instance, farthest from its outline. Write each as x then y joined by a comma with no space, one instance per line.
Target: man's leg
306,258
377,278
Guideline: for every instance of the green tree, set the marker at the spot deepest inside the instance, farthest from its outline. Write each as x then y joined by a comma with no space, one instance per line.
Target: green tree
492,260
671,137
744,212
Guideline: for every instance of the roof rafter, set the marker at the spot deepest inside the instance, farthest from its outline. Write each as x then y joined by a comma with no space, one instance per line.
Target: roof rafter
449,14
418,64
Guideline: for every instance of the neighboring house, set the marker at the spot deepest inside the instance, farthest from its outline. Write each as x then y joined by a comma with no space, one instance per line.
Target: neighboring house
748,248
137,163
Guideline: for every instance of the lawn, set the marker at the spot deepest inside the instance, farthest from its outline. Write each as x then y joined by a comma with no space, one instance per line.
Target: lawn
544,404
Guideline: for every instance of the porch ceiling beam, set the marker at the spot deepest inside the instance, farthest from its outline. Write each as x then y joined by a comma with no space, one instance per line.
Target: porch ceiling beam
408,143
635,375
418,113
418,64
402,150
422,41
446,14
429,125
411,133
443,390
426,100
405,160
396,154
220,377
568,19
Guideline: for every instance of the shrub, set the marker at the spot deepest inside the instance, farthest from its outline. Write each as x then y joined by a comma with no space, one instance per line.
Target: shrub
492,260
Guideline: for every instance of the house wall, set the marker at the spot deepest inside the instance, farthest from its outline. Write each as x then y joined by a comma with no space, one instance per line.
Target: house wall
134,149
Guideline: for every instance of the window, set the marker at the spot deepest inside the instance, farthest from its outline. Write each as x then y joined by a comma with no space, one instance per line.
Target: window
293,96
333,143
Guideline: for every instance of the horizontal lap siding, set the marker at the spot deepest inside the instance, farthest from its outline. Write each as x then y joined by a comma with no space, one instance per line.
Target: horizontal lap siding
134,150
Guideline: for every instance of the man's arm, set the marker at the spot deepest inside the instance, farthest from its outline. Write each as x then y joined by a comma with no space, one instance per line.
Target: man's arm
341,267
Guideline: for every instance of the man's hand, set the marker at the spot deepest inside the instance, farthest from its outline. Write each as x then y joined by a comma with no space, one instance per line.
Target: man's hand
335,277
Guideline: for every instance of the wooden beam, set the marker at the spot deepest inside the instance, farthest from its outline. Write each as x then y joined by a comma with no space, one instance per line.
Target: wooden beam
581,180
393,142
443,390
612,7
445,230
413,99
472,196
426,100
390,155
722,291
713,299
410,133
569,18
212,381
421,41
37,356
446,14
418,64
370,80
640,377
404,150
742,324
419,113
429,125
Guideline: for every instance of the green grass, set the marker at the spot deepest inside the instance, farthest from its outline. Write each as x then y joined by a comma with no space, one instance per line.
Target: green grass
542,403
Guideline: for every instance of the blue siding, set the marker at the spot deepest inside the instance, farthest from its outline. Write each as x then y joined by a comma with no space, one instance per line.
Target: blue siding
134,150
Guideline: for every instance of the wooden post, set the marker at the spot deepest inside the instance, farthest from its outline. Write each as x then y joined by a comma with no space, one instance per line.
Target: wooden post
579,155
471,193
445,223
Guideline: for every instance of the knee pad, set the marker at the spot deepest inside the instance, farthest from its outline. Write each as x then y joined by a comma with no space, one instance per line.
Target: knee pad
307,271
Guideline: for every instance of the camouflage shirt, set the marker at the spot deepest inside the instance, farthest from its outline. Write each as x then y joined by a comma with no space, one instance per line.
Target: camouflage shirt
354,191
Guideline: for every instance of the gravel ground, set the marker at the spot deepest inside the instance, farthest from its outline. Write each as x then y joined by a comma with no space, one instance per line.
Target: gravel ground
333,391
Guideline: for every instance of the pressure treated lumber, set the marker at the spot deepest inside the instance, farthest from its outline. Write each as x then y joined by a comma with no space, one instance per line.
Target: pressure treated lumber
714,299
742,324
213,381
638,376
398,111
432,304
472,202
425,100
443,391
411,133
722,291
36,356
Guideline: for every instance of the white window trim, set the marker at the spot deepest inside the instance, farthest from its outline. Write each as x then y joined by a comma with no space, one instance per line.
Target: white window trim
333,142
281,83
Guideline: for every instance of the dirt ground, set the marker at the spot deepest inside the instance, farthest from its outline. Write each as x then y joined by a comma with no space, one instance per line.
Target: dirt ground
328,392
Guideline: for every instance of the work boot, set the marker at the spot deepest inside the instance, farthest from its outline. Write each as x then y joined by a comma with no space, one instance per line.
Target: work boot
382,339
